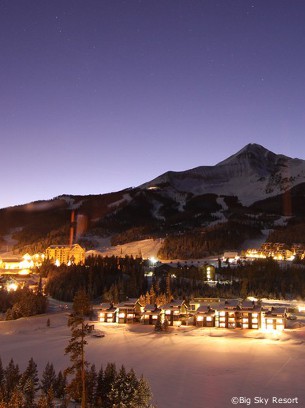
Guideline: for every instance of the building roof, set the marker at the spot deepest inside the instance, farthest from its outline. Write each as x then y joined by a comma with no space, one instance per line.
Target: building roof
65,246
173,304
203,309
110,307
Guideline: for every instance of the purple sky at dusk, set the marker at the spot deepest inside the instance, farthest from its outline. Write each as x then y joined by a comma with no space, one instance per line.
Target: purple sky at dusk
101,95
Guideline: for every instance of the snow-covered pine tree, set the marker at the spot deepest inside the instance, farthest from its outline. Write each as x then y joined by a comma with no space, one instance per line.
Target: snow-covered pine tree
12,377
29,383
99,387
109,377
48,379
158,325
60,386
91,385
165,324
142,395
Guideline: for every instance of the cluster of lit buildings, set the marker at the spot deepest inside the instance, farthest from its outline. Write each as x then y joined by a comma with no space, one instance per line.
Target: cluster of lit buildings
20,264
277,250
57,254
200,312
16,271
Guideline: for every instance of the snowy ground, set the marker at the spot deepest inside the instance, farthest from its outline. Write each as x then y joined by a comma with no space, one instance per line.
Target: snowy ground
146,248
188,367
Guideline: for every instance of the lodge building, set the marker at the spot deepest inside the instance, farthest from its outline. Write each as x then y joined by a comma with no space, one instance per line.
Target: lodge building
66,254
229,314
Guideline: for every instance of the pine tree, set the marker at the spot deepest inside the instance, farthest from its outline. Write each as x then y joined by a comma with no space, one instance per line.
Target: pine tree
76,347
165,324
152,295
16,400
119,390
142,395
168,288
29,383
98,398
2,380
60,386
12,377
158,325
147,299
48,379
91,384
109,377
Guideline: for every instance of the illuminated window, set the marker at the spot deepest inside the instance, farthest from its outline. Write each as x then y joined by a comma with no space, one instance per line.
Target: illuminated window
199,318
209,319
222,313
109,314
130,315
255,320
222,325
121,315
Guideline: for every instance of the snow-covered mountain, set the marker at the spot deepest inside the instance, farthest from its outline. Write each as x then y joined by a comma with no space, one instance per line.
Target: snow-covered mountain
251,191
252,174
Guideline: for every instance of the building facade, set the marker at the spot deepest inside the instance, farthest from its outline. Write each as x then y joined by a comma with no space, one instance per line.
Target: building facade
66,254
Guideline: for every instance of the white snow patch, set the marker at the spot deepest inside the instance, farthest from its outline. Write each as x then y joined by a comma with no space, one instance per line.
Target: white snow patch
187,367
146,248
125,199
155,212
282,221
72,204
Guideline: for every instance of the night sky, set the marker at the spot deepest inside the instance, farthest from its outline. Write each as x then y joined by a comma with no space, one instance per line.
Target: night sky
101,95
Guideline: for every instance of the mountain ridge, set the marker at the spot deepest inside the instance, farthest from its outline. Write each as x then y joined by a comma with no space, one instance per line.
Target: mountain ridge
235,200
253,165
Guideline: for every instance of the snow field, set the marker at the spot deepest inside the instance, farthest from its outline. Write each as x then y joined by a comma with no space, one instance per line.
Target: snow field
187,367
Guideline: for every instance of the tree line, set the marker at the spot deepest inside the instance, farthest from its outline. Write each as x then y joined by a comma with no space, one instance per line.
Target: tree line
119,277
22,303
79,382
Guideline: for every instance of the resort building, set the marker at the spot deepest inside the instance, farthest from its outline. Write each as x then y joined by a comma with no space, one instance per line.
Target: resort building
275,319
107,313
150,314
176,312
229,314
129,311
66,254
205,316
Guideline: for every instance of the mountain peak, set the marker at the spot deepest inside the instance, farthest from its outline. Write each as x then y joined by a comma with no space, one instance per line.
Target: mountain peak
250,151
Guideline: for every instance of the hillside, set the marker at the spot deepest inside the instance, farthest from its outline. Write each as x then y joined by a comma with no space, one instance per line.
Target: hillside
210,207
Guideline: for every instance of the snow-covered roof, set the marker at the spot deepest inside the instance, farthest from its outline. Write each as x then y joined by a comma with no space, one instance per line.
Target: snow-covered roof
204,309
108,306
173,305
